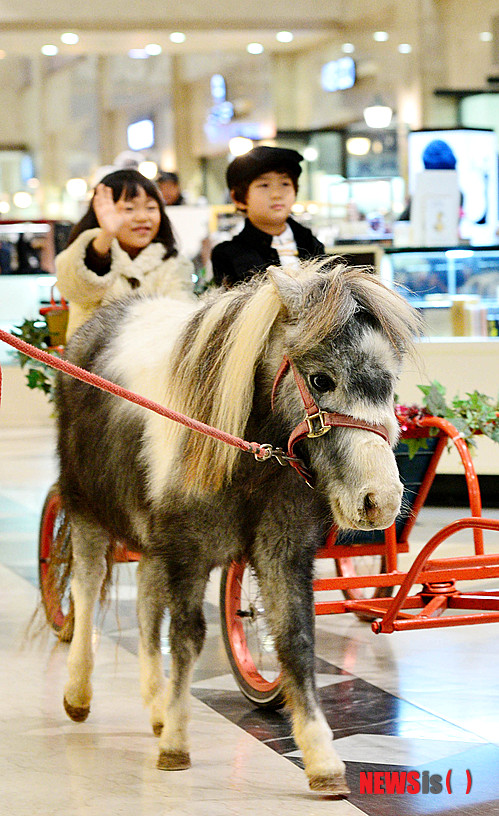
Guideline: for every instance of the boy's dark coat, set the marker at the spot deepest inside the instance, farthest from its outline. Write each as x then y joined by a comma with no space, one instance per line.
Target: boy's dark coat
250,251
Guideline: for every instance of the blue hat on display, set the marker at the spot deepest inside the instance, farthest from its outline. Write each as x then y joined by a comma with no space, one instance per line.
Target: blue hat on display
437,155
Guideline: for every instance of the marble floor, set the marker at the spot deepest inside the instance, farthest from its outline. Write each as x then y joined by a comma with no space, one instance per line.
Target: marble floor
425,702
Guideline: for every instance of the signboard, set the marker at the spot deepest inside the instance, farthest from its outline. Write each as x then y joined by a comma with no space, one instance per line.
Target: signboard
338,75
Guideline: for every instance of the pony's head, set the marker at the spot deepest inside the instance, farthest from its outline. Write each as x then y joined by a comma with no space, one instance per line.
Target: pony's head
346,334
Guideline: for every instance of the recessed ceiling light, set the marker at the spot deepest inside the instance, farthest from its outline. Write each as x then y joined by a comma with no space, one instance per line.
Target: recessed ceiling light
254,48
485,36
405,48
49,50
284,36
69,38
153,49
177,37
380,36
348,48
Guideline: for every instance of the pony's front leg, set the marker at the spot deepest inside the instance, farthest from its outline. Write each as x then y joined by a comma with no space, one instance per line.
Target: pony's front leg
169,702
89,544
288,598
324,768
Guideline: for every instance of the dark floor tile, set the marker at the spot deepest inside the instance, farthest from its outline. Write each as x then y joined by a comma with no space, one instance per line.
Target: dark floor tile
481,761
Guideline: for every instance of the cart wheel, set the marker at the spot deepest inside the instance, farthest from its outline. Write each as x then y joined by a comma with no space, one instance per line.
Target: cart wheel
247,640
54,565
363,565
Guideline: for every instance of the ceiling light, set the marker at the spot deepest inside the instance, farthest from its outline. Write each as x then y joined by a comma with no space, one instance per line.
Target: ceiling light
69,38
22,199
254,48
348,48
76,187
4,207
358,145
3,54
240,145
149,169
177,37
405,48
310,154
378,115
49,50
380,36
284,36
485,36
153,49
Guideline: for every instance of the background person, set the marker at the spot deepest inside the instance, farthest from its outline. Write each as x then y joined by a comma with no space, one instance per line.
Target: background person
169,187
263,184
124,243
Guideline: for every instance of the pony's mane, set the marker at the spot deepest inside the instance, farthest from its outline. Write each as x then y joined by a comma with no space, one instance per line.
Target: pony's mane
215,359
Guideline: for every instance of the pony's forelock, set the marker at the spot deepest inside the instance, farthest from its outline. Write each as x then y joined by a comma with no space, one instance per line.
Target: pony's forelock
334,293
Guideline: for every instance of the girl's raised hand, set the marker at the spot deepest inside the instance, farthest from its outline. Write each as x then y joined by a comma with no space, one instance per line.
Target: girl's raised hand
110,218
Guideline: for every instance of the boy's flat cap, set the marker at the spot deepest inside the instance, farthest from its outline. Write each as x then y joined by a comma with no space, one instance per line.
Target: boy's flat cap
244,169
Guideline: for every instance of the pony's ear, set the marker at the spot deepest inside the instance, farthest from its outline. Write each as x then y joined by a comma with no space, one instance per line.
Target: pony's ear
290,290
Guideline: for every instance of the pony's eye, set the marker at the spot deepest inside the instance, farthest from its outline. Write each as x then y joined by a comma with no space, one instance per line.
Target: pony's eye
322,383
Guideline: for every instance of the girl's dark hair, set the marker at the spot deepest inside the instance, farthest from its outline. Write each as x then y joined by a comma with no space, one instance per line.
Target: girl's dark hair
128,182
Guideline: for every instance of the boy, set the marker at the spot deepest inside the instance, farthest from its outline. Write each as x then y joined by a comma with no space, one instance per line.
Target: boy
263,185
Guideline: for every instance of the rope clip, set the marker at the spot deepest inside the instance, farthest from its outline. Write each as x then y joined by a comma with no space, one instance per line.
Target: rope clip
266,452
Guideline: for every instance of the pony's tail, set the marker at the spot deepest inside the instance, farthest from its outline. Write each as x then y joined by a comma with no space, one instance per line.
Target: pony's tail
58,578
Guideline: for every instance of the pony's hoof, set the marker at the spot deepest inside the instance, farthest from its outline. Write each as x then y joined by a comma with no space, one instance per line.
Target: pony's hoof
76,713
173,761
333,784
157,728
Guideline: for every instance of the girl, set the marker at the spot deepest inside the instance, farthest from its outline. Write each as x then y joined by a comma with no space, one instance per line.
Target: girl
124,243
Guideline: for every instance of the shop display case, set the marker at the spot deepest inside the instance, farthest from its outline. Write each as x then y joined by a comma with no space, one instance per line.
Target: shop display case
457,291
455,288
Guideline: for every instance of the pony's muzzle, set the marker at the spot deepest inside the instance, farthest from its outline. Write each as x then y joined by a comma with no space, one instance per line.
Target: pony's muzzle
379,509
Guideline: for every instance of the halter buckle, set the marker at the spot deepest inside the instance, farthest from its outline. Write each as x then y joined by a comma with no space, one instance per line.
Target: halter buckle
321,430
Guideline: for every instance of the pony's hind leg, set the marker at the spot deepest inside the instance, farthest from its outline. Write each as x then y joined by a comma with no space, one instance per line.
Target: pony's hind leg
89,544
169,702
151,605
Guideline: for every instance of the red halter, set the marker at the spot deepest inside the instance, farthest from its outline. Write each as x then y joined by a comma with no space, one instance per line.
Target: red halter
316,422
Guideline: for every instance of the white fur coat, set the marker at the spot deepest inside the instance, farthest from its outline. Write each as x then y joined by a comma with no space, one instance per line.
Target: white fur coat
148,273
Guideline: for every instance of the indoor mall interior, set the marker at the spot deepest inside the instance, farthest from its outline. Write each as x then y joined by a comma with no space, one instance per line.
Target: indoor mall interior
405,618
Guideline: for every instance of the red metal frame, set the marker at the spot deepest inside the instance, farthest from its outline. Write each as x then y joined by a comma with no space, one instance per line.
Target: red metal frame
437,577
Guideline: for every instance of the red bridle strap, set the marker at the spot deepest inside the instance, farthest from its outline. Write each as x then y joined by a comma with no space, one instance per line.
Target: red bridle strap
317,422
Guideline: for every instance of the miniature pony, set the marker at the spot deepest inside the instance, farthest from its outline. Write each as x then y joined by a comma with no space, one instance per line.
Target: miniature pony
188,502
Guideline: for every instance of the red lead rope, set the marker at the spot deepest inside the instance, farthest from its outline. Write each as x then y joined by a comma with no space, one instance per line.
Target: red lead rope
261,452
307,428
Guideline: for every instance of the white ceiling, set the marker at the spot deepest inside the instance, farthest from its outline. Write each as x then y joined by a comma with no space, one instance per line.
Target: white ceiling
111,27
